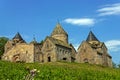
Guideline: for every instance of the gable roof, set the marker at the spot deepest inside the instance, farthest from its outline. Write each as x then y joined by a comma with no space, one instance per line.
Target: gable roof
91,37
58,30
83,43
59,42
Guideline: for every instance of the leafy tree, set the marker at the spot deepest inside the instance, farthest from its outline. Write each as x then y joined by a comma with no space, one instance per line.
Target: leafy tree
41,42
3,41
114,65
118,65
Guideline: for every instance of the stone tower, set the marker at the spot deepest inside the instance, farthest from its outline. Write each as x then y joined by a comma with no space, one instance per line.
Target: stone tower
59,33
15,40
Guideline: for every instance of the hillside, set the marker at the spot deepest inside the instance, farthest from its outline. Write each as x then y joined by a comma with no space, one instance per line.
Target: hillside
57,71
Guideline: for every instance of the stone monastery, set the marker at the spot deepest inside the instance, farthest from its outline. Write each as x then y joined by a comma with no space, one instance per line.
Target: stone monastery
57,48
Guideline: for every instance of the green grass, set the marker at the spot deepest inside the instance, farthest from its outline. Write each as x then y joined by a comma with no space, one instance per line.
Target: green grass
58,71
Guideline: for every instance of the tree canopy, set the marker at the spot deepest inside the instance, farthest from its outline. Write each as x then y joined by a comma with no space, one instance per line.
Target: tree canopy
3,41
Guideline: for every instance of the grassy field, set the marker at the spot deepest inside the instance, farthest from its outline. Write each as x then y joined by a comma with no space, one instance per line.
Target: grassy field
57,71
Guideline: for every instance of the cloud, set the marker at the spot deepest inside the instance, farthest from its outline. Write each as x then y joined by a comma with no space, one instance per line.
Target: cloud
113,9
80,21
113,45
76,46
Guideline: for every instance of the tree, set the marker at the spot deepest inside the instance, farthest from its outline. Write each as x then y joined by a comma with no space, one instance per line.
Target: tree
3,41
41,42
118,65
114,65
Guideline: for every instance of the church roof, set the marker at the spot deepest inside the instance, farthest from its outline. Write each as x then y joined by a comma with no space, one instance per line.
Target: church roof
59,42
59,30
18,36
91,37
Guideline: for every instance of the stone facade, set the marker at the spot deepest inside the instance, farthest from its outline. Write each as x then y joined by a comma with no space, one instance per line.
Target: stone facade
17,50
94,52
56,48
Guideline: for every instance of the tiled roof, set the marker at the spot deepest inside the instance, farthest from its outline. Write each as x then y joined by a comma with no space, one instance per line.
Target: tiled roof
58,30
59,42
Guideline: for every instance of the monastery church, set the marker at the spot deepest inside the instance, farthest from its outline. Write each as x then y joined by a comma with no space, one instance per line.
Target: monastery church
57,48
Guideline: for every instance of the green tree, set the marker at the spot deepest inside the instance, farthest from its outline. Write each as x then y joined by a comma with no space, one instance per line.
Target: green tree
41,42
3,41
118,65
114,65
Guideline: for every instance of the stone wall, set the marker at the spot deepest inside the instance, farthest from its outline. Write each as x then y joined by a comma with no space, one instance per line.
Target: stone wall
20,52
88,54
38,56
49,52
63,54
61,37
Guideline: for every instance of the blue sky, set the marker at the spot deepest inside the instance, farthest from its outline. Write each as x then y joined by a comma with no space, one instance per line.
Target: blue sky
39,17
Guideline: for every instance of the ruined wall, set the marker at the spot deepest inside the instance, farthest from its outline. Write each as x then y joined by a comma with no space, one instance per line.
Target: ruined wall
8,45
20,52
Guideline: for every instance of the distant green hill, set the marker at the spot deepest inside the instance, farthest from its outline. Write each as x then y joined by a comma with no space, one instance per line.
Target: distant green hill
57,71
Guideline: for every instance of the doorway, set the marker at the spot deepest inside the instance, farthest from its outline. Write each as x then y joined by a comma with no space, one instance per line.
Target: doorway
49,59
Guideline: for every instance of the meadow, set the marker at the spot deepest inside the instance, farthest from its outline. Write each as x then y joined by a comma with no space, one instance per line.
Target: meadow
57,71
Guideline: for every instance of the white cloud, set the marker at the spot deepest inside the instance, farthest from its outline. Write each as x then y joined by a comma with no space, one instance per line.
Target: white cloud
80,21
113,9
76,46
113,45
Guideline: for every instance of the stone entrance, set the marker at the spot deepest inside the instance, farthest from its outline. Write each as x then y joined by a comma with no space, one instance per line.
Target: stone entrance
49,59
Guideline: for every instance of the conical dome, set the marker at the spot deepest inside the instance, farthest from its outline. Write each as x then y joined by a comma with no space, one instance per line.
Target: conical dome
58,30
59,33
91,37
18,38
